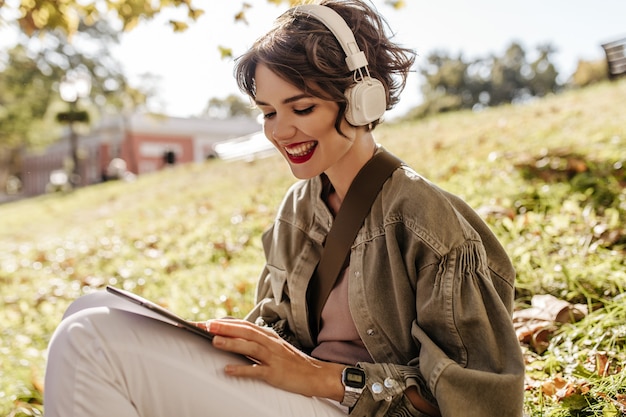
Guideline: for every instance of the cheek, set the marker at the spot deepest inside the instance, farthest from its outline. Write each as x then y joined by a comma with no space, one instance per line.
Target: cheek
348,130
267,131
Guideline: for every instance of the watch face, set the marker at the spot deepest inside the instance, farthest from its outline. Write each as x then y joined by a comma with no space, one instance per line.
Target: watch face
354,377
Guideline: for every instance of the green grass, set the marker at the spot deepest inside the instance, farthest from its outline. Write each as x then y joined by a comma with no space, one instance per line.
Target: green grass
547,176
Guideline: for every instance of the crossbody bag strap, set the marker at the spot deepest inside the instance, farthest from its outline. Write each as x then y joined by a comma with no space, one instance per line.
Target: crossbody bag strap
355,206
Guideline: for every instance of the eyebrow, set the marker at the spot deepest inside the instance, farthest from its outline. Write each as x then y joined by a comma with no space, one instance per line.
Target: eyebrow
287,100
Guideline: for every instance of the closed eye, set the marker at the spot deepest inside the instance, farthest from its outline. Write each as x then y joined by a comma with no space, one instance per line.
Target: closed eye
304,111
299,112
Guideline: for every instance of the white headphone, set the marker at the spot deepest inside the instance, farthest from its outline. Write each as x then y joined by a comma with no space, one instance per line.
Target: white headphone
367,99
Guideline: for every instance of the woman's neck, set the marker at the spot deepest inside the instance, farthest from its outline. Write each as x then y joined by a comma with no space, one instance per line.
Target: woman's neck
343,173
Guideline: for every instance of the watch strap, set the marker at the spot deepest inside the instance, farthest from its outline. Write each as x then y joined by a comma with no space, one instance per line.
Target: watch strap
353,380
351,396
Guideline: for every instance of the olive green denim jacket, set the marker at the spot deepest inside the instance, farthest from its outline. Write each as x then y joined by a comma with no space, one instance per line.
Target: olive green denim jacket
430,291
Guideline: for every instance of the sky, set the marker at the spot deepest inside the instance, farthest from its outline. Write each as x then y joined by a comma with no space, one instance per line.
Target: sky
191,71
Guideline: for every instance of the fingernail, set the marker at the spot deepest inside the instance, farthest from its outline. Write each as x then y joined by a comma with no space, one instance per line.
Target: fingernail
211,326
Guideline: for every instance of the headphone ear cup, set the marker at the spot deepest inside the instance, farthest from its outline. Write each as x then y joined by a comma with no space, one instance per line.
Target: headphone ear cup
367,102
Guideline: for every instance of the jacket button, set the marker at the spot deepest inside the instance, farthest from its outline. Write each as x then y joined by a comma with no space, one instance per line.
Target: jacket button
377,388
370,332
389,382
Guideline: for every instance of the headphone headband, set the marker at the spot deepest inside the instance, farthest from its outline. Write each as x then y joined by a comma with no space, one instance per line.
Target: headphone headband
366,98
355,58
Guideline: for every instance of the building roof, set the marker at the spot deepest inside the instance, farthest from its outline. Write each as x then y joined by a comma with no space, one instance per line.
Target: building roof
164,125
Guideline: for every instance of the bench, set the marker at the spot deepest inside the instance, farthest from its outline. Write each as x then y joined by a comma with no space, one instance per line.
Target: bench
616,57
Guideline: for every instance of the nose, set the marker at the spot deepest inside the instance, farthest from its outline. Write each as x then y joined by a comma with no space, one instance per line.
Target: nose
282,129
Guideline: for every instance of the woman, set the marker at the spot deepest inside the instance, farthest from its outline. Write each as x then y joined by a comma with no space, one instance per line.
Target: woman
418,321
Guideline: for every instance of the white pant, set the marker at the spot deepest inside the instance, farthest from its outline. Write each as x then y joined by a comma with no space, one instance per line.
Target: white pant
106,360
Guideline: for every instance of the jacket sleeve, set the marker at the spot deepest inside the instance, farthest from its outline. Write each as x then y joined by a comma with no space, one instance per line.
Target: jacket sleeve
273,306
384,394
470,355
470,362
268,313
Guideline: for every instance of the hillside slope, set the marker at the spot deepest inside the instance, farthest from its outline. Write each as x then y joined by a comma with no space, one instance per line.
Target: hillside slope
548,176
591,121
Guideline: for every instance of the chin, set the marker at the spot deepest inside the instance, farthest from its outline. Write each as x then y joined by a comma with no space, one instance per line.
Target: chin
303,174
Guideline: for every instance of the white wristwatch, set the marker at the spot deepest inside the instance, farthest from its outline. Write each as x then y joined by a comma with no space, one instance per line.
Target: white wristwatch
353,380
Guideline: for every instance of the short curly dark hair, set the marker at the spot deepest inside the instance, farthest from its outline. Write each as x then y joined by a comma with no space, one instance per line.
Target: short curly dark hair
304,52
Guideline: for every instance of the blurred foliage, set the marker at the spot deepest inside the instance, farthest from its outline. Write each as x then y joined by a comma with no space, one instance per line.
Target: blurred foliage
29,87
456,83
29,83
231,106
25,94
590,72
66,16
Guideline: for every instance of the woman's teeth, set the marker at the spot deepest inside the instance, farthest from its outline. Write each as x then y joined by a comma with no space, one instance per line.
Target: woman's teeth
301,149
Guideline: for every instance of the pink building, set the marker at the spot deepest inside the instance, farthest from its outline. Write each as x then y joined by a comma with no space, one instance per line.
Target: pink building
145,142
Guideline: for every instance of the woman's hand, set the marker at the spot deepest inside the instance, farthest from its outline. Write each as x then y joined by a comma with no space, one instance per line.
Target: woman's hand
278,362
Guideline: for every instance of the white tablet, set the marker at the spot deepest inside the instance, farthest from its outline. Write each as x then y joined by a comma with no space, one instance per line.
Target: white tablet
172,318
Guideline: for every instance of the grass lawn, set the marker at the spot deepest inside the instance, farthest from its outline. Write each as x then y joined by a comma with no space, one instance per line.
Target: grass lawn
548,177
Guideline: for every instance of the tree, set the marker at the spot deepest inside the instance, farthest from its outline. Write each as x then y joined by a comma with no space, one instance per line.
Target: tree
507,82
67,16
29,82
231,106
454,83
590,72
25,93
30,78
543,76
24,98
445,84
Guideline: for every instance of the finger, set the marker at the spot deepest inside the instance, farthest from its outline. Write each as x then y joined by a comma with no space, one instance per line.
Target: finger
253,350
255,371
238,329
201,324
265,329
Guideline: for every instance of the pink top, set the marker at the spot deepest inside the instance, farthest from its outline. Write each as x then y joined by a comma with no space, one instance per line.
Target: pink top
338,340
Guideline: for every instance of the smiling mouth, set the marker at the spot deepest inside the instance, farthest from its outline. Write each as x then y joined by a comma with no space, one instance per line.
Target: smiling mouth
301,149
